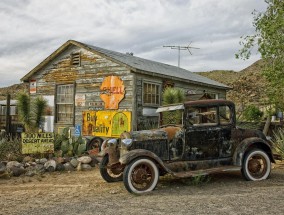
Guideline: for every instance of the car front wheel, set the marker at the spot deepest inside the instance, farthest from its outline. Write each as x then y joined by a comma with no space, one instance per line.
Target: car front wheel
140,176
256,165
110,174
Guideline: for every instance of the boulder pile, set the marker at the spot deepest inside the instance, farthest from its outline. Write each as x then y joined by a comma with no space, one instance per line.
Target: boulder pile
30,166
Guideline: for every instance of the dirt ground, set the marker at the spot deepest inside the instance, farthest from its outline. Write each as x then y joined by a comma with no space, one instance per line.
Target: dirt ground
87,193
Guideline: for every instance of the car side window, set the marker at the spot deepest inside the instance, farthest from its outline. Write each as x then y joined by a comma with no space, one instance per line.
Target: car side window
202,116
225,115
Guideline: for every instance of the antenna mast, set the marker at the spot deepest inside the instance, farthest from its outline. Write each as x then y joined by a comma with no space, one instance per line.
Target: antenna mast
181,48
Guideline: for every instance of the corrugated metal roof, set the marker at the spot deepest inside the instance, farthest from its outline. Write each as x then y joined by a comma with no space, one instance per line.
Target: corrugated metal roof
156,67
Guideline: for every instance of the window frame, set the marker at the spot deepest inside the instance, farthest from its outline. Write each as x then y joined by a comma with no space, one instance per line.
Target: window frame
72,121
156,84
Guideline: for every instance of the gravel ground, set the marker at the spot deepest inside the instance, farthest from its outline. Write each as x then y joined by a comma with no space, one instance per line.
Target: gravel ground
87,193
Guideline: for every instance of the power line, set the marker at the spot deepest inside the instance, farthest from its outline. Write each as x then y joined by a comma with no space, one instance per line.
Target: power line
181,48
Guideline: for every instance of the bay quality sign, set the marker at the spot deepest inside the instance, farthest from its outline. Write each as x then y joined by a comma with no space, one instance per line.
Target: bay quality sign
112,92
33,143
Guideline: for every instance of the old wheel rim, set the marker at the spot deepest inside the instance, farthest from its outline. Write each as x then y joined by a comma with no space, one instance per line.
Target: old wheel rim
142,176
257,166
114,172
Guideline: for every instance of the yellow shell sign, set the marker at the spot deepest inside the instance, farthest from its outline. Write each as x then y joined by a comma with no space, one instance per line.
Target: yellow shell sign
106,123
112,91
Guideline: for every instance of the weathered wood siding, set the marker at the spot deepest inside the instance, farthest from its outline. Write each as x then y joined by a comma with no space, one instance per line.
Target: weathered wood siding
87,77
147,122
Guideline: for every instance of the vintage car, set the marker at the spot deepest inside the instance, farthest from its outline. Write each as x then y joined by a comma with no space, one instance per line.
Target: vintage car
194,138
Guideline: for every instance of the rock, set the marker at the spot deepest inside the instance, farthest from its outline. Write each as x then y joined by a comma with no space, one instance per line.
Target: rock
85,159
79,167
30,173
60,160
68,167
60,167
28,159
74,162
86,167
3,168
43,160
94,161
50,165
5,175
17,171
11,164
40,168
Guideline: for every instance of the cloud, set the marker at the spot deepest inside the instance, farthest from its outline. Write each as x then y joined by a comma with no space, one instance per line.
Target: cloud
31,30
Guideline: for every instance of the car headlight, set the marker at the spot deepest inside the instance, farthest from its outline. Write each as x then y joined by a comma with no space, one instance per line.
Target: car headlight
111,142
126,143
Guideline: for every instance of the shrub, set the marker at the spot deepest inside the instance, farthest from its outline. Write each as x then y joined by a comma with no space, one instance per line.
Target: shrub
10,149
252,113
278,141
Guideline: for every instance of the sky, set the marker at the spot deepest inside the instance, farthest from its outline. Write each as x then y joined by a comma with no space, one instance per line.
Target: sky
30,30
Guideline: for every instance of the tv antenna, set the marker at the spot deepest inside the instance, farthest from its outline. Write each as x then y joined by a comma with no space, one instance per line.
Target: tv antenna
182,48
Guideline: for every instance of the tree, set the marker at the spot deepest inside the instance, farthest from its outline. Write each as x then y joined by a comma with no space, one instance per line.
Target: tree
31,111
269,38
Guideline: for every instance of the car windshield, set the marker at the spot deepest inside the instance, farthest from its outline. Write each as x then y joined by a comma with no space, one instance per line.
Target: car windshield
171,115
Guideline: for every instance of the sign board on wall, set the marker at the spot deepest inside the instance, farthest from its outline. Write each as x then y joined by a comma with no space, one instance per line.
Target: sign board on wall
32,86
80,100
33,143
106,123
112,92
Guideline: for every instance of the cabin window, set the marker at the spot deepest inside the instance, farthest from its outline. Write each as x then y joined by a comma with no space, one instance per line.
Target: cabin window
76,59
151,94
65,103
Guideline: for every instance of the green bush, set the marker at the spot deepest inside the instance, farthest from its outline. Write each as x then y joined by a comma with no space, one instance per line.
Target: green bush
252,113
10,149
278,141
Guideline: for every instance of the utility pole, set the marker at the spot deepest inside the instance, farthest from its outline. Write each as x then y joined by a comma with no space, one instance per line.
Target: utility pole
181,48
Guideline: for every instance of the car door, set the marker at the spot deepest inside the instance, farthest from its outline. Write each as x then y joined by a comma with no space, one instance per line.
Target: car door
202,134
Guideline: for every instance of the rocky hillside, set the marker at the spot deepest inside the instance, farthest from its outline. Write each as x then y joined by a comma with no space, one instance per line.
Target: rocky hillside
12,90
248,85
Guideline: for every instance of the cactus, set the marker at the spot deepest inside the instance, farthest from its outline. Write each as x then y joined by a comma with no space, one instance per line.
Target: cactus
81,149
64,146
70,146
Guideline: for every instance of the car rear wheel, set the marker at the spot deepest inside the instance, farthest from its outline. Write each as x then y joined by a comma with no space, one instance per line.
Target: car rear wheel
110,174
256,165
140,176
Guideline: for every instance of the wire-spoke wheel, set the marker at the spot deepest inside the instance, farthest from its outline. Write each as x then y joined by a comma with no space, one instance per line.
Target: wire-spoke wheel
110,174
140,176
256,165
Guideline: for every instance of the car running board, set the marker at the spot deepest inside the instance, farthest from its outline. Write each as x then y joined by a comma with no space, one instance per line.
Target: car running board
187,174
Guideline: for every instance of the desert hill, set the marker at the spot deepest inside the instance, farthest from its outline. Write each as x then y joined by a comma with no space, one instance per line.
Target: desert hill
248,85
12,90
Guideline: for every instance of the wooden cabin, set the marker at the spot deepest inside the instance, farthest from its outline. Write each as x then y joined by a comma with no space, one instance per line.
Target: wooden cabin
78,77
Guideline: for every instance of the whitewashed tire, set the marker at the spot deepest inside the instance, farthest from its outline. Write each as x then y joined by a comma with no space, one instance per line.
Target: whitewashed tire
256,165
140,176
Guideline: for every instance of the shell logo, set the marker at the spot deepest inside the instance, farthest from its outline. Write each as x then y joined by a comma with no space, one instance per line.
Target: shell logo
112,92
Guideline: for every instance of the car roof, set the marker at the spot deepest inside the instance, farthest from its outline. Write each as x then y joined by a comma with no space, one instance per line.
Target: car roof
209,102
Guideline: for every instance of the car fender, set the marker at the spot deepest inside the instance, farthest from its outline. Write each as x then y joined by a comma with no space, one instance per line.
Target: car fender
133,154
249,143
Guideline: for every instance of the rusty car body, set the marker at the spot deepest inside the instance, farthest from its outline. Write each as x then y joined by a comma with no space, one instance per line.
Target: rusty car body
194,138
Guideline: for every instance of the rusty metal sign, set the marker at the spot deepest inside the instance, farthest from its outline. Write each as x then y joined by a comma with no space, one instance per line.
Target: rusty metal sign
106,123
112,92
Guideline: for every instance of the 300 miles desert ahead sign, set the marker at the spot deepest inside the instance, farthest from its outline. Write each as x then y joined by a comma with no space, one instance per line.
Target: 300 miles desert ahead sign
33,143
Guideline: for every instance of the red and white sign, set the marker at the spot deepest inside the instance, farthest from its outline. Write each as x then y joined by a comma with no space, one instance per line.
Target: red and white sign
32,86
